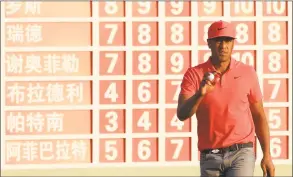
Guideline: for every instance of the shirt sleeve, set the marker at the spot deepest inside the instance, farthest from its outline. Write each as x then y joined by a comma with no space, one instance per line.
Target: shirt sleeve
188,85
255,93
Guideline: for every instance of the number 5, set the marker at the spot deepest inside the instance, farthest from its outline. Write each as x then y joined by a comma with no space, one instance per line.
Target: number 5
274,115
110,148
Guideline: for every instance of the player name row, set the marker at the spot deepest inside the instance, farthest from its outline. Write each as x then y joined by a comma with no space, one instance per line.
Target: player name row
176,62
141,9
113,121
175,33
115,150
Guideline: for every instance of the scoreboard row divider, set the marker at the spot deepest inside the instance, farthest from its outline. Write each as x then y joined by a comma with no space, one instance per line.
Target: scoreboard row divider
124,135
137,48
140,19
118,106
117,77
95,85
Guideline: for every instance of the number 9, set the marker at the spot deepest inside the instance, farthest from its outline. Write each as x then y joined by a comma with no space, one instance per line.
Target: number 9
177,7
210,7
177,61
146,7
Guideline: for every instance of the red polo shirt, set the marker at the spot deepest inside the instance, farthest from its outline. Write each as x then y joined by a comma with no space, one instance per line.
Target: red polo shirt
223,116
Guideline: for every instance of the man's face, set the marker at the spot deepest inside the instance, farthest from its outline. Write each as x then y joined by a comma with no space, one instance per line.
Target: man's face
221,47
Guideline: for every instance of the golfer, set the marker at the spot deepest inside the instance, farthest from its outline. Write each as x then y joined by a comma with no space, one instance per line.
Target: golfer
228,108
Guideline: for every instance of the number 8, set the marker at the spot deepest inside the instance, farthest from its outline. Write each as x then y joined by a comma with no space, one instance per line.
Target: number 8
177,36
242,33
144,36
144,65
274,62
274,32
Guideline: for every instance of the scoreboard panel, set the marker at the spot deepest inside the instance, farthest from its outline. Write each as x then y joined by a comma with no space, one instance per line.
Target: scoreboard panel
97,84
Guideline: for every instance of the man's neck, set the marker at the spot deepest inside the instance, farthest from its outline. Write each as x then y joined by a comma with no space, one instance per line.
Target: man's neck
221,67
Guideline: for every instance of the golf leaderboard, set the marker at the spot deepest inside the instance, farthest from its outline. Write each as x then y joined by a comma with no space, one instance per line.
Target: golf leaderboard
96,83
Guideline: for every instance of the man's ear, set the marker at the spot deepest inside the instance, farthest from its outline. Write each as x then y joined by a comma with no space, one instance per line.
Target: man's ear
233,44
209,43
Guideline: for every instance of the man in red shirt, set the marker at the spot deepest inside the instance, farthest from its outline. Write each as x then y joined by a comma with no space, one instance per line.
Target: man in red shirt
228,108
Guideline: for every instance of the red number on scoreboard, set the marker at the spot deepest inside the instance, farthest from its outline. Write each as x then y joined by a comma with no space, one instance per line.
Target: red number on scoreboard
112,121
112,63
145,62
144,149
173,124
145,92
275,61
112,92
178,149
145,9
112,150
111,9
145,120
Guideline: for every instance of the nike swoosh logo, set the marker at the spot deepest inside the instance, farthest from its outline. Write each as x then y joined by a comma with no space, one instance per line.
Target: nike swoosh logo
237,77
221,28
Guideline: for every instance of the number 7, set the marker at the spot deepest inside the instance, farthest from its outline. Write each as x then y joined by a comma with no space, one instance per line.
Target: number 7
276,88
175,97
114,58
114,28
179,145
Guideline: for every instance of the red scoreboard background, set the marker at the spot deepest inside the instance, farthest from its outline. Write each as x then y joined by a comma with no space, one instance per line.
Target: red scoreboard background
96,83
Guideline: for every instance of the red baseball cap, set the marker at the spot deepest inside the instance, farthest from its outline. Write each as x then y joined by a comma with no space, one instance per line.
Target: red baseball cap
221,29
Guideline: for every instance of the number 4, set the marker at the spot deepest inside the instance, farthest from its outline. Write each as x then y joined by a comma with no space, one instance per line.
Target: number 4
111,92
144,121
175,122
274,116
